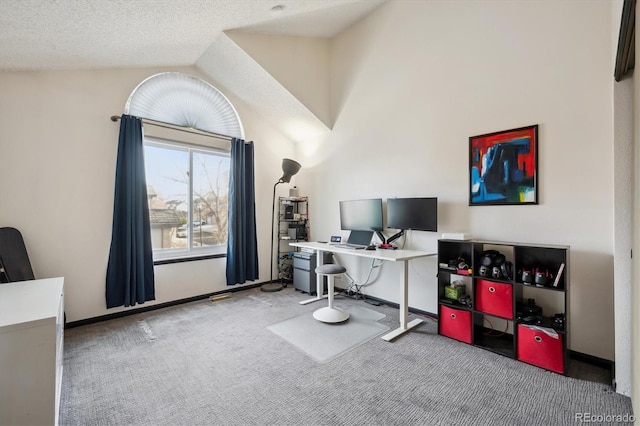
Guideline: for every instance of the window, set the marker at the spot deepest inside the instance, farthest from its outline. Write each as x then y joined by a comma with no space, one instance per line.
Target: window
188,190
187,184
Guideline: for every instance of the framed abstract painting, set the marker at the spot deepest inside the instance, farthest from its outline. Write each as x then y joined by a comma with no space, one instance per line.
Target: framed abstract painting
503,167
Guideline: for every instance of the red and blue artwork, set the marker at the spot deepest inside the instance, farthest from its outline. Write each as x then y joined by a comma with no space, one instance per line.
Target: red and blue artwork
503,167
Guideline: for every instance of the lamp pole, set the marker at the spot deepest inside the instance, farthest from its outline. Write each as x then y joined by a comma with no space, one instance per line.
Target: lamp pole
271,286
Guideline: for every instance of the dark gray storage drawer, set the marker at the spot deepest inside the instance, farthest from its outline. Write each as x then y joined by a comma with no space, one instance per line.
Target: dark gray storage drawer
304,267
303,262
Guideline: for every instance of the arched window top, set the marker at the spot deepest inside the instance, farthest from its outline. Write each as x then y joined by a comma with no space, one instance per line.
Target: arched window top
186,101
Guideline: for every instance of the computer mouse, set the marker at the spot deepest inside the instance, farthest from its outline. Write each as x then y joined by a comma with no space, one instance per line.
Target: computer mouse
370,248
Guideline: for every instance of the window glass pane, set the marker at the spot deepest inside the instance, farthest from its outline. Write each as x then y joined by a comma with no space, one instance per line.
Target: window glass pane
188,199
167,172
210,199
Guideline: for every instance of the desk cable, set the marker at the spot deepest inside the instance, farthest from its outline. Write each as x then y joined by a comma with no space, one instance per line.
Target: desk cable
353,290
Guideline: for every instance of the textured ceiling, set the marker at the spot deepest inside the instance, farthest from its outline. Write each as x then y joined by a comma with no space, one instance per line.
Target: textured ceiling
95,34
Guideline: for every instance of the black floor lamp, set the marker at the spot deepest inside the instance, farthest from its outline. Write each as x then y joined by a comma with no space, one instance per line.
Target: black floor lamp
289,168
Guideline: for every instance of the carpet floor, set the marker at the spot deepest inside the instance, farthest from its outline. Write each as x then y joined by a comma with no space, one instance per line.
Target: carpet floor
217,363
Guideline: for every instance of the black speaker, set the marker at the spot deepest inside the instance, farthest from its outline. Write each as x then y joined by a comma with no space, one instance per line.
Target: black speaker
297,232
288,212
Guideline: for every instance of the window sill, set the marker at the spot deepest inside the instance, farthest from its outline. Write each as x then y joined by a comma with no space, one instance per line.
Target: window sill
188,258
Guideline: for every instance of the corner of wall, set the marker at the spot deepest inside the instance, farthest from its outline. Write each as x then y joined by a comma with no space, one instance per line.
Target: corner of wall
635,338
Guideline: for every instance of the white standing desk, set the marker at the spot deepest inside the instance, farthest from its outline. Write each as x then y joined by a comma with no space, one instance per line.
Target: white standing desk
403,256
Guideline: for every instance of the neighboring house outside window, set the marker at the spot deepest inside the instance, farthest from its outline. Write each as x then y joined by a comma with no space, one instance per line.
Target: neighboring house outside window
188,190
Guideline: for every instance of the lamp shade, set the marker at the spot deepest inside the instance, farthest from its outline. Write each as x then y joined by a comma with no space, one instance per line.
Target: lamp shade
289,168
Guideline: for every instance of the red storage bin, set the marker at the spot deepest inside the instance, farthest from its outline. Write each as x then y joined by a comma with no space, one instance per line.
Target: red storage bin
494,298
540,349
455,323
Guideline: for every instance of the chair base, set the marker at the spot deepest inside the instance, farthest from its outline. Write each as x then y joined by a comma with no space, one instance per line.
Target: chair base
330,315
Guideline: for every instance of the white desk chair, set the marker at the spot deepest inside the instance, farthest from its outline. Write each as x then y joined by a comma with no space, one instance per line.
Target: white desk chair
330,313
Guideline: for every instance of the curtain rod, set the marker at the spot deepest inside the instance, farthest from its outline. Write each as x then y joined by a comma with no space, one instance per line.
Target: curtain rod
157,123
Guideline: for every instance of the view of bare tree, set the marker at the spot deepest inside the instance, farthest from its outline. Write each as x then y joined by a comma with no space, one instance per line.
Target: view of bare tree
209,201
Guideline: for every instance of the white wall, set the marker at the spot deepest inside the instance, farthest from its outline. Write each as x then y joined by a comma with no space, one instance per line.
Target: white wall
623,222
414,80
300,64
623,215
58,149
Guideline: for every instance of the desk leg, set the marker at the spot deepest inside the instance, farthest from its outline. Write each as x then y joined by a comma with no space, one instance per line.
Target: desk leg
404,307
319,286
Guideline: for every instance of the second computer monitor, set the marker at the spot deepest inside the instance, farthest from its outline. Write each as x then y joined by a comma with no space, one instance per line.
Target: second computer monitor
420,214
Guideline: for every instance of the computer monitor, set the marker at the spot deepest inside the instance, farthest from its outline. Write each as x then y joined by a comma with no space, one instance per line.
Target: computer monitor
361,215
362,218
420,214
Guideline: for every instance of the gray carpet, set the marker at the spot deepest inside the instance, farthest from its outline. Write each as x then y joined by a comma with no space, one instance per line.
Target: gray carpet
324,342
217,363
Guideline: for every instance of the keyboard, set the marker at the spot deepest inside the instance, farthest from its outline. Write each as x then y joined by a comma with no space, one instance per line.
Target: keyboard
350,246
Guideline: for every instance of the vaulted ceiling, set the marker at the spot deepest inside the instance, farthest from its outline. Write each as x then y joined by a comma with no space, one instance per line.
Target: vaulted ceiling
98,34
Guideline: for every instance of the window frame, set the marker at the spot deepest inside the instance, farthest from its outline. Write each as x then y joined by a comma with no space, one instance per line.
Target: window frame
190,253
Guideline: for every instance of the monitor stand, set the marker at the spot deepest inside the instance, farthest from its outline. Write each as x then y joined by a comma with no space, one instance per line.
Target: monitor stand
395,236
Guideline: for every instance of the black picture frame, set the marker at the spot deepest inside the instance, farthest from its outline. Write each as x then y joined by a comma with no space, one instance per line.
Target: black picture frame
503,167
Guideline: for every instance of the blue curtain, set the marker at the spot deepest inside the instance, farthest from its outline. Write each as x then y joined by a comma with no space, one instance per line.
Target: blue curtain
242,244
130,278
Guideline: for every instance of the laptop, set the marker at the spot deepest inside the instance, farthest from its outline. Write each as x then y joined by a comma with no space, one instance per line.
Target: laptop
357,240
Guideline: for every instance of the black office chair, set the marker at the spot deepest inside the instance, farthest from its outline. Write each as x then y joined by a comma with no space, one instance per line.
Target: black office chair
14,259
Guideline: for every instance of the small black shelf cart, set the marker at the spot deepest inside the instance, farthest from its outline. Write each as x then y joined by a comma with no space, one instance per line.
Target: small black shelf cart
293,226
